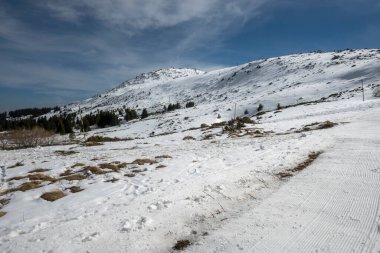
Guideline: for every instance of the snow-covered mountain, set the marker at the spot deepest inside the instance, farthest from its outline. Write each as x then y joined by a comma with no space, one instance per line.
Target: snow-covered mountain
286,80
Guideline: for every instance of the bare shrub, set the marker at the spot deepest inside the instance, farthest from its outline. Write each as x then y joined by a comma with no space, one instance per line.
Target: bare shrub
24,138
181,245
4,140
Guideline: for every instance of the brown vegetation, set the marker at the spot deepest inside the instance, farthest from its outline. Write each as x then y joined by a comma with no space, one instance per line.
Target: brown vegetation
163,156
2,213
181,245
74,189
53,195
188,138
24,138
38,170
301,166
65,152
18,164
144,161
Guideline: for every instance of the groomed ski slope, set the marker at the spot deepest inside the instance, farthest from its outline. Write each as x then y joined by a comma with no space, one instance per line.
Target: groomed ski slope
333,206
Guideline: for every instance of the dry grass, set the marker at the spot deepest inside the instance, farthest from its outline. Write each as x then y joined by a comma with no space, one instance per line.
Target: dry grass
41,177
139,170
109,166
97,138
144,161
16,178
130,174
93,143
181,245
23,187
122,165
38,170
2,213
18,164
188,138
67,172
78,165
160,166
65,152
290,172
73,177
93,169
74,189
53,195
163,156
4,202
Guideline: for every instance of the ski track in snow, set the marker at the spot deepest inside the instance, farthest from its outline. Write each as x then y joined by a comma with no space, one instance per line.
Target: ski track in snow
331,207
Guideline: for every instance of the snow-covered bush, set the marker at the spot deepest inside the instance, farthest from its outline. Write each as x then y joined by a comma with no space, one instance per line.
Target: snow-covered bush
376,92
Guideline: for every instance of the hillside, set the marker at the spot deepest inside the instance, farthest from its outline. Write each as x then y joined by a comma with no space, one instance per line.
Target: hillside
300,177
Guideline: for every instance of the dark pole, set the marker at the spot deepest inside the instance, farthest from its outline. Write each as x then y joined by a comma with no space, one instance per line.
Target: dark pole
363,90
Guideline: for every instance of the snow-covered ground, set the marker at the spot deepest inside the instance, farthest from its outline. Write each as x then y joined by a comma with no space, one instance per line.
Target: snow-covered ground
221,191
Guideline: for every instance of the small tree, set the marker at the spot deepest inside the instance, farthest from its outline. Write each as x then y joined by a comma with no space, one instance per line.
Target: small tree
279,106
190,104
144,114
246,112
260,108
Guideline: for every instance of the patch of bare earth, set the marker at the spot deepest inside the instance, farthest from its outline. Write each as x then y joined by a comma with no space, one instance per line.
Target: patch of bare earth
301,166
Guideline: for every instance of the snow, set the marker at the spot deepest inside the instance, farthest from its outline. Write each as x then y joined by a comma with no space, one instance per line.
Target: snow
220,193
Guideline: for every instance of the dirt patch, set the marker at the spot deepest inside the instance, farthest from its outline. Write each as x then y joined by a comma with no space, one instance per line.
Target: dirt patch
181,245
144,161
53,195
130,174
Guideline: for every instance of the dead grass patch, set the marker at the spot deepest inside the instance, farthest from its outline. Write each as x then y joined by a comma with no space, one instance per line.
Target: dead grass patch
301,166
4,202
139,170
78,165
181,245
160,166
53,195
92,143
188,138
74,189
93,170
144,161
18,164
122,165
109,166
65,152
41,177
163,156
2,213
130,174
66,173
38,170
73,177
16,178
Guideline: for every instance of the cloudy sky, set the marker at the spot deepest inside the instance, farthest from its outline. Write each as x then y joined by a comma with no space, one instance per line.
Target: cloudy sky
60,51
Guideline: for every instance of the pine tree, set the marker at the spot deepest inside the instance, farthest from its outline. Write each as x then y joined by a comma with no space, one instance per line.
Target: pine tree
144,114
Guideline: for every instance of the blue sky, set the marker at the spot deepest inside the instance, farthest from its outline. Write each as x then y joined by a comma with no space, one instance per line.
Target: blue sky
62,51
